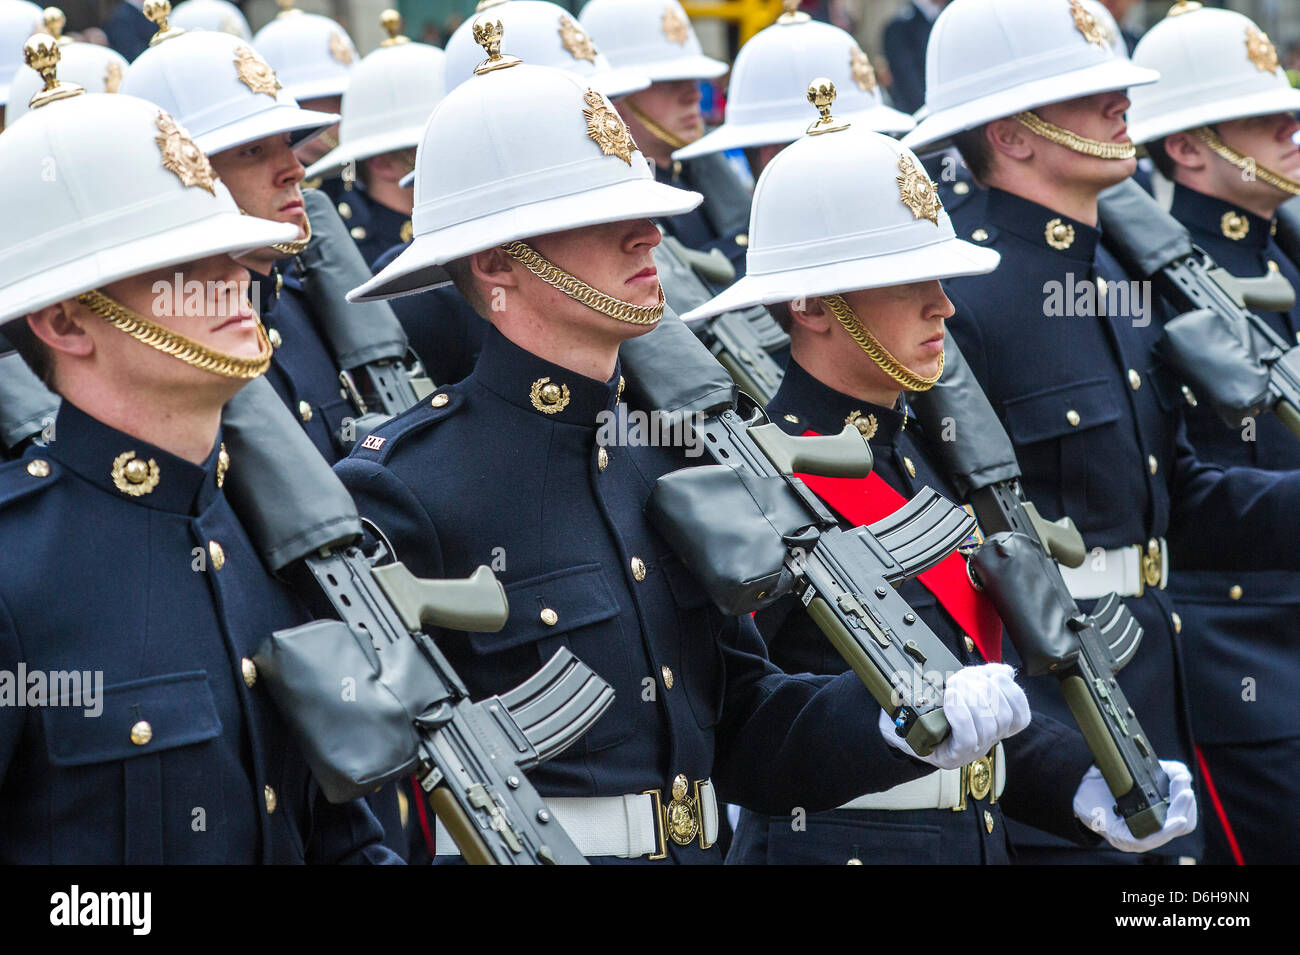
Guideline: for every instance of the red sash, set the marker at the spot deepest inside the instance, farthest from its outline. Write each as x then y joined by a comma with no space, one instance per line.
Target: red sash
865,501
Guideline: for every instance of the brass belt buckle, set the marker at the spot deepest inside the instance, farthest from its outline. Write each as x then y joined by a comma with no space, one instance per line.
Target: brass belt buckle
977,780
681,820
1152,564
659,824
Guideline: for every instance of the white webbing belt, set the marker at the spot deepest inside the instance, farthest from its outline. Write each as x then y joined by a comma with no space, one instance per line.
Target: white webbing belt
1118,570
622,826
939,790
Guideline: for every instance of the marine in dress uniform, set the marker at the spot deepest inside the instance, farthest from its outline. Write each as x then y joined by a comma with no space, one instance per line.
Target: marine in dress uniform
1242,660
237,111
827,191
699,712
1097,424
179,757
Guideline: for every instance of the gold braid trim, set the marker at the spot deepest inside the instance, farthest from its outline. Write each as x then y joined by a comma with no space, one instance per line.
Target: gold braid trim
580,291
176,344
657,131
1264,174
877,352
1079,144
295,246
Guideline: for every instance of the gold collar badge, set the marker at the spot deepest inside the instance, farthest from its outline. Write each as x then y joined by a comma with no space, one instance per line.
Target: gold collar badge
606,128
1087,24
867,426
339,48
1234,225
918,191
134,476
223,464
1059,235
675,28
549,397
181,156
864,74
1260,50
254,72
112,77
575,40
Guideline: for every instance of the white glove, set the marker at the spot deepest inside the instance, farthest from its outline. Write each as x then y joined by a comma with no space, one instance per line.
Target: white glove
1095,807
983,705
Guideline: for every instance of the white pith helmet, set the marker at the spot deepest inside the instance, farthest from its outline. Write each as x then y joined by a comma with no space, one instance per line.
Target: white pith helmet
1110,25
514,153
392,92
542,34
18,20
312,54
97,68
107,187
843,210
221,90
654,37
218,16
990,59
1214,65
767,100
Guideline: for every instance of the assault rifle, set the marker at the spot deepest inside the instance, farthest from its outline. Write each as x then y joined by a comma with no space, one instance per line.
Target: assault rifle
752,531
26,405
1017,566
381,375
368,693
1226,353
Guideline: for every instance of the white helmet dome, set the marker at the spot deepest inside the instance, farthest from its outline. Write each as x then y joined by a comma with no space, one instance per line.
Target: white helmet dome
654,37
312,54
96,68
18,20
218,16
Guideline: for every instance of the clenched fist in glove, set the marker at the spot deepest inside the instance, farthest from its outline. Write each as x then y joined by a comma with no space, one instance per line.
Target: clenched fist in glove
1095,807
983,705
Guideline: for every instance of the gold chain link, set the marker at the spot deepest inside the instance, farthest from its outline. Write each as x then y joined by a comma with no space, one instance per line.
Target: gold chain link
876,351
176,344
663,135
1080,144
1224,151
580,291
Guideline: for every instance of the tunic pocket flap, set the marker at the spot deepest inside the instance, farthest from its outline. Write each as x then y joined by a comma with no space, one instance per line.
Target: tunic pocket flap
550,605
1062,410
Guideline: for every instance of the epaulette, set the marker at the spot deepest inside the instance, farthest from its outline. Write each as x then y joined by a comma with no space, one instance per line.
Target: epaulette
25,477
379,445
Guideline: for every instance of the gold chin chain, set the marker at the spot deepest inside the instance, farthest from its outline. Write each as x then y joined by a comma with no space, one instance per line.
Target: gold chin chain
1224,151
1073,141
877,352
657,131
177,345
580,291
296,246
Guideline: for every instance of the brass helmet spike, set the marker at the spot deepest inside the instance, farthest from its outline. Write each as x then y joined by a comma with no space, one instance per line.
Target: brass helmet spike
157,11
55,21
286,8
488,34
485,4
1183,6
792,13
821,93
391,21
41,52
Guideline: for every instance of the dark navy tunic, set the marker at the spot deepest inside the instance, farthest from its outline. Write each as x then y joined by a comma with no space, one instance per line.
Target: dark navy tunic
374,227
905,39
163,595
487,478
1046,761
1098,429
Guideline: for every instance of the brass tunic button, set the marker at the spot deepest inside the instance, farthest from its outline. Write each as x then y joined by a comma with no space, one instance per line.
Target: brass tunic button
1235,591
1072,416
970,644
911,468
271,802
638,569
1134,379
549,617
961,188
795,420
1273,266
249,669
1191,398
1177,622
358,232
217,554
345,211
1152,464
275,337
38,467
304,411
854,861
742,240
979,235
668,677
440,400
141,733
602,459
988,821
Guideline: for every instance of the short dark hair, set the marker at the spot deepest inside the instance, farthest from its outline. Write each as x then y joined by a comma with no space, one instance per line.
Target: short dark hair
31,349
976,153
1160,157
462,276
781,312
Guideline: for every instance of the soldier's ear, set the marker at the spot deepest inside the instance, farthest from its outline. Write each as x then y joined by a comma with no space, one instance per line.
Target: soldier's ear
1006,137
493,268
60,327
811,313
1187,152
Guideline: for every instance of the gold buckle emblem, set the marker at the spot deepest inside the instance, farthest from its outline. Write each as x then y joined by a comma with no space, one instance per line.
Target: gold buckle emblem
682,820
1152,564
977,779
